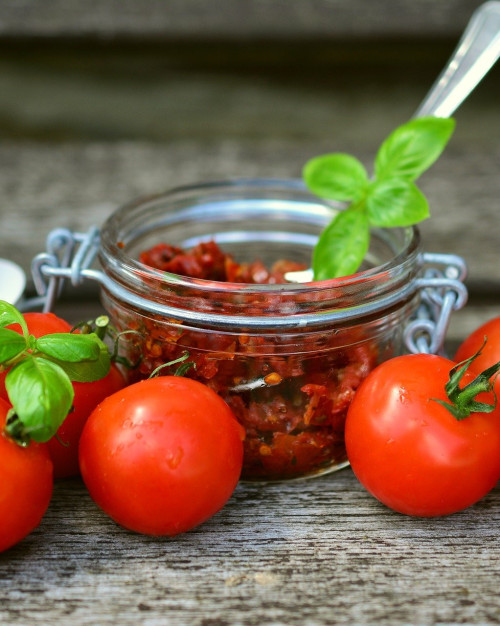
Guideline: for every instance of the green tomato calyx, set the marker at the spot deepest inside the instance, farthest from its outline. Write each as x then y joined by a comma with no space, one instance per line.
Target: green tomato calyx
463,399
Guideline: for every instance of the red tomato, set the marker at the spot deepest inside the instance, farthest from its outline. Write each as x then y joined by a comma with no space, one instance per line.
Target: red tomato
409,451
490,353
25,486
64,451
162,455
40,324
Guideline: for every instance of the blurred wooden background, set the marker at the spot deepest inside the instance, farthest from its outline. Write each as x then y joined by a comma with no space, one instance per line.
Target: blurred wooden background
105,100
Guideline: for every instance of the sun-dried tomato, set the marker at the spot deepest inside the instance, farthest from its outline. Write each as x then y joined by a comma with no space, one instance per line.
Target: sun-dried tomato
292,405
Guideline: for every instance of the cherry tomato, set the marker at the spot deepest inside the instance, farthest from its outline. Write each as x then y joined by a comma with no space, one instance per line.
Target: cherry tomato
161,456
409,451
40,324
63,449
490,352
25,486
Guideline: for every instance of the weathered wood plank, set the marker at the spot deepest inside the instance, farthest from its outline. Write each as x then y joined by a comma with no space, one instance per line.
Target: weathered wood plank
233,20
76,186
317,552
135,99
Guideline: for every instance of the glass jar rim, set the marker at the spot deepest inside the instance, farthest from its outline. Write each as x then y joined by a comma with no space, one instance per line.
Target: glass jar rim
112,248
270,204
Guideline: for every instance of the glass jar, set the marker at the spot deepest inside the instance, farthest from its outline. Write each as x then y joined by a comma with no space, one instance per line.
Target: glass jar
286,357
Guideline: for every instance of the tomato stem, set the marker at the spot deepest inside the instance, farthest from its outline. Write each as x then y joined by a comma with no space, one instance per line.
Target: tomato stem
99,326
16,430
180,371
463,399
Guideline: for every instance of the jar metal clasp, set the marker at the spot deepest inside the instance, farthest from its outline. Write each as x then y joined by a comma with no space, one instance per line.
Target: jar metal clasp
442,292
68,255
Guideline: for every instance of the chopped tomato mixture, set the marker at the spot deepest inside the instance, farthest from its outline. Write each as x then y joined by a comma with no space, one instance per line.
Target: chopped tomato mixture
209,262
293,406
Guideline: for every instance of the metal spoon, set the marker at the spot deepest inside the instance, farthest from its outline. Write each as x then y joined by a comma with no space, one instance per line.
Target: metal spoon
476,53
12,281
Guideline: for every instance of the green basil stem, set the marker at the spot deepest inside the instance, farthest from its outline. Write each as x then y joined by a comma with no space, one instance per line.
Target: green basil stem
99,326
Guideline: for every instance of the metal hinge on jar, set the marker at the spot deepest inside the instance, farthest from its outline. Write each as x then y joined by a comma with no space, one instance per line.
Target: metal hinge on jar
442,292
68,256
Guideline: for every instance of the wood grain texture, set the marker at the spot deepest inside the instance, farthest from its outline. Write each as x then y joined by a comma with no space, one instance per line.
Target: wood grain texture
80,136
316,552
76,186
232,19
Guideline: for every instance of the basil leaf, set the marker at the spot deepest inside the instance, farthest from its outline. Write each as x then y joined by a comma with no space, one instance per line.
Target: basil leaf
84,358
413,147
70,347
10,315
88,371
41,394
342,245
335,176
396,202
11,344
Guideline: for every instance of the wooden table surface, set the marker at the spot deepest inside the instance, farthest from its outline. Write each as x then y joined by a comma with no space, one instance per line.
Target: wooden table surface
316,552
100,106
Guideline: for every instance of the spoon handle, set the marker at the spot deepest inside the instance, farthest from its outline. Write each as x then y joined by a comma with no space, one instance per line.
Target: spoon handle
476,53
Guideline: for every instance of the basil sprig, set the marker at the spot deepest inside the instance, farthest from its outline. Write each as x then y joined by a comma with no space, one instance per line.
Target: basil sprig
40,374
389,199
